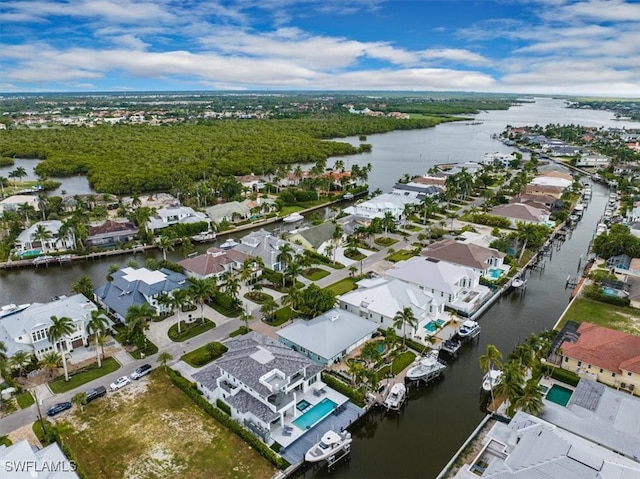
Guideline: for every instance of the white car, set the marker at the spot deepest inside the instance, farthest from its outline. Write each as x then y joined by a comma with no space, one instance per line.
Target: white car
121,382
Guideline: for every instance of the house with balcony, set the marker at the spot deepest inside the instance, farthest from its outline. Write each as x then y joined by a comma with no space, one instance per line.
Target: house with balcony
274,391
28,329
173,215
29,240
262,244
379,300
489,262
216,262
137,286
604,355
379,205
522,213
329,337
110,233
458,286
251,182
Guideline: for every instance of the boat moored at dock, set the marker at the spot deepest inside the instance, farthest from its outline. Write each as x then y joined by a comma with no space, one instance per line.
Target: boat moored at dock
468,330
396,397
331,444
293,218
426,368
491,379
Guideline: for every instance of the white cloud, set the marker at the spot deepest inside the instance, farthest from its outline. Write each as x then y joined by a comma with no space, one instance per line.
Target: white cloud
598,10
456,55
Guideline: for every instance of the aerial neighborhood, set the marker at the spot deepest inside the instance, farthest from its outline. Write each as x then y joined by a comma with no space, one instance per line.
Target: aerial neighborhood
278,308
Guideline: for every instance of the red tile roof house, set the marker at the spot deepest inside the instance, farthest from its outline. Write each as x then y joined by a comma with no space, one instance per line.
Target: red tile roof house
215,262
111,233
606,355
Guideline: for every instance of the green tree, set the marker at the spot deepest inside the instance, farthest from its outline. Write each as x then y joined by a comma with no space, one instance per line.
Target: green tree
165,244
489,361
163,358
510,385
404,318
201,291
61,327
97,326
268,308
84,286
137,321
20,360
180,299
530,398
50,361
80,399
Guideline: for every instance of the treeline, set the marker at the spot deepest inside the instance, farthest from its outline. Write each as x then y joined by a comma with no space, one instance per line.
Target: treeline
123,159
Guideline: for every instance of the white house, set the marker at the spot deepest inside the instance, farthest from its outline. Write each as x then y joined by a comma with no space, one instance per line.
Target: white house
264,245
591,160
172,215
378,206
28,239
21,461
28,329
380,300
496,158
489,262
252,182
458,286
13,203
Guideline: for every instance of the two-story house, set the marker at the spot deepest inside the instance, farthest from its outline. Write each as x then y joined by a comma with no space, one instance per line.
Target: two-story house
262,244
216,262
489,262
44,237
172,215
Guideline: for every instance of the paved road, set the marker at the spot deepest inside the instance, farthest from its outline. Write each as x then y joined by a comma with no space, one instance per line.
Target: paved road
29,415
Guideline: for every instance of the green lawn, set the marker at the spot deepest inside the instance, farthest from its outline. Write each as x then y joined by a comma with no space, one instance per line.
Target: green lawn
314,274
189,330
343,286
201,356
615,317
258,296
239,332
109,365
150,350
228,312
401,255
25,400
399,364
282,316
382,241
354,257
157,433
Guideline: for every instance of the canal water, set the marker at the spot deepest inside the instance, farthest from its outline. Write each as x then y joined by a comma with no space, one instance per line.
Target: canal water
419,441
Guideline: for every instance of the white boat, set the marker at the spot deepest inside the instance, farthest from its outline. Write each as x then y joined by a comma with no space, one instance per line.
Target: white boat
347,196
426,367
330,444
204,237
491,379
519,282
230,243
9,309
469,329
396,396
45,259
293,218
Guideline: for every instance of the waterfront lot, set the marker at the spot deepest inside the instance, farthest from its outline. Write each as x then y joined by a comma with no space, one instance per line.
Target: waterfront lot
615,317
150,429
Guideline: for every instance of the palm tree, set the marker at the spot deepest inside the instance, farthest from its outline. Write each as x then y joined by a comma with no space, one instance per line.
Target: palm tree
231,284
51,361
268,308
285,256
165,244
293,270
41,234
245,317
80,399
137,319
19,173
511,383
402,319
388,223
491,358
3,356
163,358
96,326
180,299
201,291
530,399
20,360
61,327
83,286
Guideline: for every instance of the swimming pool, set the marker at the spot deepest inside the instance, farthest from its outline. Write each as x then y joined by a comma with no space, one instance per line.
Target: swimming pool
30,253
432,326
609,291
381,347
495,273
559,395
315,414
302,405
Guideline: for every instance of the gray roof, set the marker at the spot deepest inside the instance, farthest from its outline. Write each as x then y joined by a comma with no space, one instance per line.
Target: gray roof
316,235
330,333
226,210
245,402
431,274
132,286
263,244
241,362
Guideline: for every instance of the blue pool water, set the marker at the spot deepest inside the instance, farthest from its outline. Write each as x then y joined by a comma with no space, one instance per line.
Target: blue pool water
302,405
495,273
381,347
30,253
432,326
609,291
315,414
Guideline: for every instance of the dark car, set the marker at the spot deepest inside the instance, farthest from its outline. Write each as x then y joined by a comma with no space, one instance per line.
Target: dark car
96,393
58,408
141,371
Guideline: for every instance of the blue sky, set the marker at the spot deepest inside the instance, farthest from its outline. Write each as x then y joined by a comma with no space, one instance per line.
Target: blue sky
587,47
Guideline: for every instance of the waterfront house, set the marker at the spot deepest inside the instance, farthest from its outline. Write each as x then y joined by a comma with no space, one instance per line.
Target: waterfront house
262,244
471,167
329,337
521,213
379,300
379,205
110,233
231,211
500,159
350,223
591,160
28,330
173,215
541,201
28,240
489,262
437,179
458,286
266,385
216,262
315,238
606,355
22,461
416,190
252,182
553,178
13,203
137,286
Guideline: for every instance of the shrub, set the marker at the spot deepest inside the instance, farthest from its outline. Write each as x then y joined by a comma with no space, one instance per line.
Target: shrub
594,292
355,396
223,406
565,376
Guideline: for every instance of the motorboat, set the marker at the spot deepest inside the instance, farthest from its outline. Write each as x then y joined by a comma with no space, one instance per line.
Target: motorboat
230,243
396,396
293,218
519,282
469,329
347,196
45,259
330,444
426,367
491,379
9,309
450,346
204,237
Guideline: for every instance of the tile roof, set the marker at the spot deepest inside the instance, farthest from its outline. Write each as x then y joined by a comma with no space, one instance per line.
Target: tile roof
213,261
464,254
431,274
605,348
519,211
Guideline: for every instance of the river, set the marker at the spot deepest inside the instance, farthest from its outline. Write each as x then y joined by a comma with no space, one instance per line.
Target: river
420,441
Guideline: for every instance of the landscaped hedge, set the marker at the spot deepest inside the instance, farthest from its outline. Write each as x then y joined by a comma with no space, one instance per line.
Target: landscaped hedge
567,377
265,451
355,396
223,406
486,219
318,258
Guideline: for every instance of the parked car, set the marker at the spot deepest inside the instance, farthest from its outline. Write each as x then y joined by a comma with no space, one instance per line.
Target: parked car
58,408
141,371
121,382
96,393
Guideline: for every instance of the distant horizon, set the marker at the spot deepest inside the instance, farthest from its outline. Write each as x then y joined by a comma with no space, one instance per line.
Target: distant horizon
574,48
